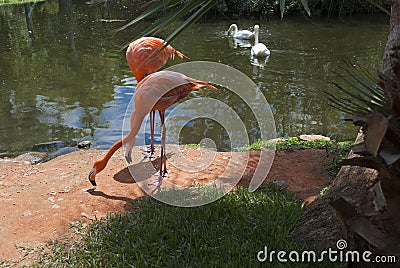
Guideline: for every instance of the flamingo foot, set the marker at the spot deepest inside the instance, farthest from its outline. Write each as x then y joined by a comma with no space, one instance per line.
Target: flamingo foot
148,152
157,182
165,174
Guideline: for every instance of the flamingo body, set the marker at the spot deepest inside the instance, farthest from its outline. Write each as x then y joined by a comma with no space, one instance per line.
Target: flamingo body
155,92
158,91
147,55
144,56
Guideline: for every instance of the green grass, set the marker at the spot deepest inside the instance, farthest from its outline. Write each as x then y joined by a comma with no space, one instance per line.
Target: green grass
337,151
294,143
196,145
225,233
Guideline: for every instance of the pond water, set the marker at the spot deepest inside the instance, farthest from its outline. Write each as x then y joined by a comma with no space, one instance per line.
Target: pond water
64,76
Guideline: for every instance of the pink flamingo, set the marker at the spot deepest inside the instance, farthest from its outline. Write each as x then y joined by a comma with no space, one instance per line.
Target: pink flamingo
155,92
144,56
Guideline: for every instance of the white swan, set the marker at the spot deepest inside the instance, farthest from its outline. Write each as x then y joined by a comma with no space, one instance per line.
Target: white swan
259,49
242,34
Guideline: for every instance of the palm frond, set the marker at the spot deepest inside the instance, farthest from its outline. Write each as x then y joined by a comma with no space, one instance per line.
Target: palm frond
192,19
150,11
362,76
306,6
282,7
345,105
376,4
179,9
200,12
359,91
359,95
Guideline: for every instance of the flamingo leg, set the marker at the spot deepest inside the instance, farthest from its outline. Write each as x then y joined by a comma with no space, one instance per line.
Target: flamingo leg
152,119
148,151
163,171
163,159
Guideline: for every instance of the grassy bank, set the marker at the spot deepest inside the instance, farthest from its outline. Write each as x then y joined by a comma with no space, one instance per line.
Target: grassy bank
336,150
226,233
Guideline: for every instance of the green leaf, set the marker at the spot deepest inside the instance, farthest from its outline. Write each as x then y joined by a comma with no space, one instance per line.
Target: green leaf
361,91
344,105
366,83
192,19
151,10
376,4
369,103
306,7
180,9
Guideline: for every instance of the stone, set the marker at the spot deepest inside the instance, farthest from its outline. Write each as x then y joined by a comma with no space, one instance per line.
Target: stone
314,138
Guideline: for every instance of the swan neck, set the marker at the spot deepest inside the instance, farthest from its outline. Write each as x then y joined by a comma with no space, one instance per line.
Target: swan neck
255,36
235,29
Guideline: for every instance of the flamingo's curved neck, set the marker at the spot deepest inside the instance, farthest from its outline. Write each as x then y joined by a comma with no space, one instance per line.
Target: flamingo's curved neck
111,151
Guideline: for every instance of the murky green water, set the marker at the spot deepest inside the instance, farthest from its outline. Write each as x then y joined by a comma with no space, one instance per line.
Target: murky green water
69,81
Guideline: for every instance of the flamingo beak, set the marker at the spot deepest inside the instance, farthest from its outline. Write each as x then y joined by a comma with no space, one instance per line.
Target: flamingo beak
91,176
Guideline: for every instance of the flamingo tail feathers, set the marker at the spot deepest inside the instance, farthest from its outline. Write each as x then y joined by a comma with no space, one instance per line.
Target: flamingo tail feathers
198,84
178,53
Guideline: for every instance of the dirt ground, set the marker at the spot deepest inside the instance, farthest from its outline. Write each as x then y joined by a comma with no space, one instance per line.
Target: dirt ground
39,203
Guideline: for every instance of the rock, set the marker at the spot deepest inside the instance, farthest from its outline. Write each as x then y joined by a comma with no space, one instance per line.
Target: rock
84,144
34,157
279,183
313,138
27,213
50,146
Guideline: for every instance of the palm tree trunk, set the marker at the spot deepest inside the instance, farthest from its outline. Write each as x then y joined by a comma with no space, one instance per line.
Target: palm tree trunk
362,226
393,44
